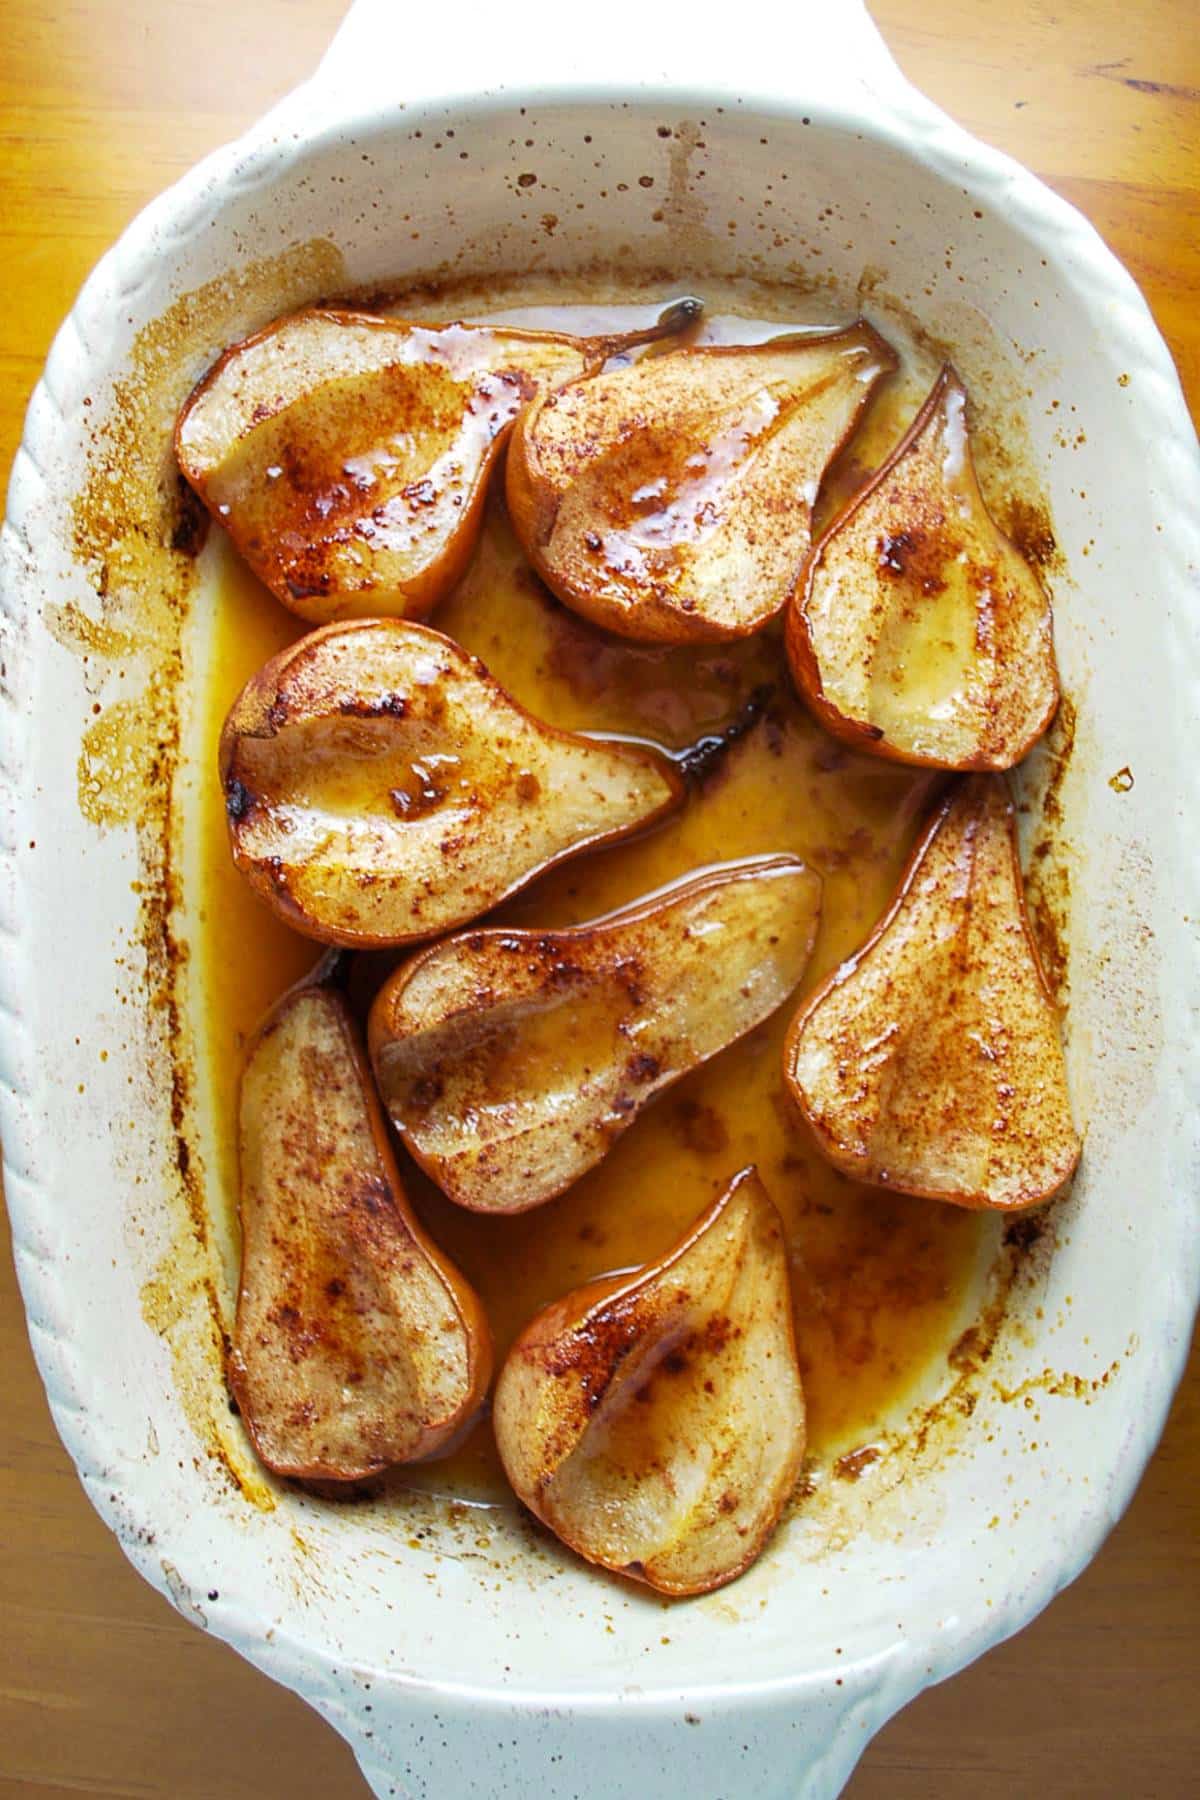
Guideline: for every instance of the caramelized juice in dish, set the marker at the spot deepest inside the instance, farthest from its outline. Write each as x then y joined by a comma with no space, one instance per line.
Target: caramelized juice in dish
883,1282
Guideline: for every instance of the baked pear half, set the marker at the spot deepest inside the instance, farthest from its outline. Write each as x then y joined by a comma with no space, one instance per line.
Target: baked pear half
918,631
357,1343
511,1061
348,454
380,787
656,1423
931,1061
671,500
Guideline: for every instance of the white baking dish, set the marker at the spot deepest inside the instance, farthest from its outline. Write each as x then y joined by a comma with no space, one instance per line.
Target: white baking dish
459,1655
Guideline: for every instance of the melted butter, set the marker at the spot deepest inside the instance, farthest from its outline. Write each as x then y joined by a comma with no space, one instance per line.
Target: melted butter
883,1282
581,678
244,957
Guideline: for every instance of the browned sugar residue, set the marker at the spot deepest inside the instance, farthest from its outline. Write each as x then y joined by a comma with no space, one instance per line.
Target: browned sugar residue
684,208
1060,1384
135,536
1029,525
854,1463
1059,745
1048,862
79,632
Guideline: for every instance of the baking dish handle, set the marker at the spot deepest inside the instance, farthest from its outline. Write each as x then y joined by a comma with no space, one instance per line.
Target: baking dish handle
386,51
478,1749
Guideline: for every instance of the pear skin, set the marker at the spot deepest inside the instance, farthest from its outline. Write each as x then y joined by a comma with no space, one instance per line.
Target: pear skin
380,787
918,631
511,1061
357,1343
931,1061
671,500
656,1422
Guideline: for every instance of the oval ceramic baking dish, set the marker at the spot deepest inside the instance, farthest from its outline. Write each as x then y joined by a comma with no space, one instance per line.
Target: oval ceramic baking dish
466,1660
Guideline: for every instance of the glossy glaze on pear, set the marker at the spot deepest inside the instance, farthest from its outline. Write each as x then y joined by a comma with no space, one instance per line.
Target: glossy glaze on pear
918,631
348,454
357,1343
656,1423
671,500
380,787
932,1061
511,1061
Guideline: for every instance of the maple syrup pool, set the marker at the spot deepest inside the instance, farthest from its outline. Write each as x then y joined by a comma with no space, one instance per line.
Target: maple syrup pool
884,1283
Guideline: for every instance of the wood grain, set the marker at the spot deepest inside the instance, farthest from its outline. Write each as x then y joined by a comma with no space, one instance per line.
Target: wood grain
103,1689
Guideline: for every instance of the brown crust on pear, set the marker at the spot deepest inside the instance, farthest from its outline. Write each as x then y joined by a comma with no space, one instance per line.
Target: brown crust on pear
357,1343
381,787
655,1423
608,496
931,1060
873,593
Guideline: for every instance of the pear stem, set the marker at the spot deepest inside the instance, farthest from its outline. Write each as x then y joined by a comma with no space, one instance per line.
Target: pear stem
680,317
698,758
695,760
332,971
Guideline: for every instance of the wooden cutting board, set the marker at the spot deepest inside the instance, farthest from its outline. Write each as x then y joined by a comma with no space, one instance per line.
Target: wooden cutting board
103,1689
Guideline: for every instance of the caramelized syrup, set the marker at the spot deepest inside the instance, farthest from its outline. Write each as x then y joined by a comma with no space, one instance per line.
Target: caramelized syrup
883,1282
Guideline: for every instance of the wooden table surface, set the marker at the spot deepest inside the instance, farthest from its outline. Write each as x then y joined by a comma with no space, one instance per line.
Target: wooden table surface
103,1689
